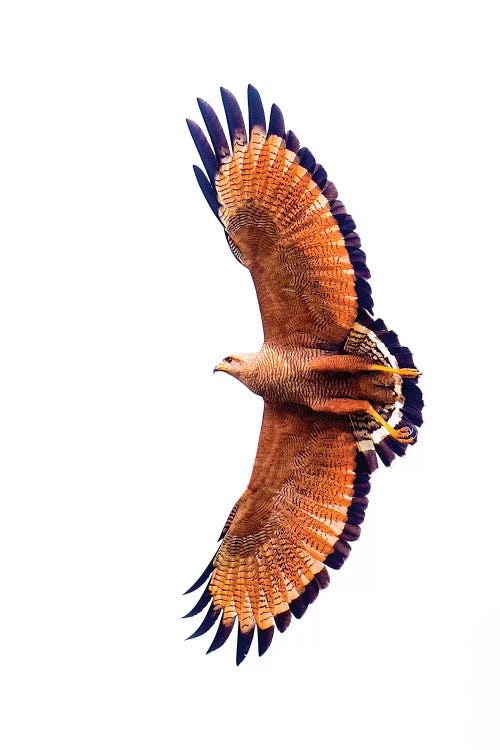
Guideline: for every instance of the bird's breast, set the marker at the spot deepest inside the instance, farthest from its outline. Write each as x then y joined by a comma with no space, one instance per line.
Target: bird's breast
283,375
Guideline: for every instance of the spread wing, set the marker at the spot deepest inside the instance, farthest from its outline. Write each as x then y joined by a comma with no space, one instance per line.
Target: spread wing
304,504
284,222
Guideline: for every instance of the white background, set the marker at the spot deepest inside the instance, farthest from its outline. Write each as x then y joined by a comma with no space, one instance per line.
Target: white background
121,454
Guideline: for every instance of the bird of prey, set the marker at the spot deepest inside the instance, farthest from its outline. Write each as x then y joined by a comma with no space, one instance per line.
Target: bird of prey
338,388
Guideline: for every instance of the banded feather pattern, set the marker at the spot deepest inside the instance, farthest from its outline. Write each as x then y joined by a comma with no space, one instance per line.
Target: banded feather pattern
338,387
274,197
261,567
371,338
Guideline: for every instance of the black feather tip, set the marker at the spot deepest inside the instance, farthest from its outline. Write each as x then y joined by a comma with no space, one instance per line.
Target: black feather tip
204,149
221,636
243,645
207,189
201,604
215,130
264,638
235,122
208,621
276,122
256,114
199,581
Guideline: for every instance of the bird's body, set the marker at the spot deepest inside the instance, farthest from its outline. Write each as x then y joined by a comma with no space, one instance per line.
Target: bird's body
287,375
338,388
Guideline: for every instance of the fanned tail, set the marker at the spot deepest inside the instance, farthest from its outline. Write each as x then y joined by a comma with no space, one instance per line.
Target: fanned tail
370,338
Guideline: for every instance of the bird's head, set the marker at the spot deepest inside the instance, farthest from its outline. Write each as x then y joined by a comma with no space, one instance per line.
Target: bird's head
240,366
233,365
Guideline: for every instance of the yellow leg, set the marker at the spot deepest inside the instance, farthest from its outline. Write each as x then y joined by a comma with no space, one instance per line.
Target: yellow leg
403,435
353,363
406,372
355,406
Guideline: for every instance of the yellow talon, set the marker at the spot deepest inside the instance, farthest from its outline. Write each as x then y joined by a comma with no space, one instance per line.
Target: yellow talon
402,435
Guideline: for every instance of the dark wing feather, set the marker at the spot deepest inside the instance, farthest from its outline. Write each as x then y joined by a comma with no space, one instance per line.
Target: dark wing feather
276,123
215,130
256,114
235,122
205,151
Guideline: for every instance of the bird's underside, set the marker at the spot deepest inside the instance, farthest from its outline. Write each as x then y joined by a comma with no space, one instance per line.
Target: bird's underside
338,387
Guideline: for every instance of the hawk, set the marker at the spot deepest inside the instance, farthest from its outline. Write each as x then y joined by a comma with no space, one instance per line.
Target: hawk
339,390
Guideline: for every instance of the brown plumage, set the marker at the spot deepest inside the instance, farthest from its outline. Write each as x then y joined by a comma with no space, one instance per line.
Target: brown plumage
338,387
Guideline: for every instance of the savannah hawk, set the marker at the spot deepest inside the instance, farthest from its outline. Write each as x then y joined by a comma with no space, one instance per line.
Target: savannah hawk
338,388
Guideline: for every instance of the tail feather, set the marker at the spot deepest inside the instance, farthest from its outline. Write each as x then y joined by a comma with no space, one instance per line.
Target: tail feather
370,338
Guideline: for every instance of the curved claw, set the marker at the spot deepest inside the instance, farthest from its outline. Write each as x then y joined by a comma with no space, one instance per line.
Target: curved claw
403,435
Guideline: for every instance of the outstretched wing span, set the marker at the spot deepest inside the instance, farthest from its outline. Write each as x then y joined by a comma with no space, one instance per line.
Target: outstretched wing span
284,222
297,515
307,495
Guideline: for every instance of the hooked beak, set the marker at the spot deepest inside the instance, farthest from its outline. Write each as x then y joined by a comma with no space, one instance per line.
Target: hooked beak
219,367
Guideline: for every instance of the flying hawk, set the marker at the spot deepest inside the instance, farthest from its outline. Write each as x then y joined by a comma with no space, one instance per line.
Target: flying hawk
338,388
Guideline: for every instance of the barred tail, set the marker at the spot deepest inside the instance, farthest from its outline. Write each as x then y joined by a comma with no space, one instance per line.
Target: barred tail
370,338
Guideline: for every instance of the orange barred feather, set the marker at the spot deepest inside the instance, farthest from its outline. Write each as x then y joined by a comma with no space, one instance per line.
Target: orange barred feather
288,521
278,217
307,494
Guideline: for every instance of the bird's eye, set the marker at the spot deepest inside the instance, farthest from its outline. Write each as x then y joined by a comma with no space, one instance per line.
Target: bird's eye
228,360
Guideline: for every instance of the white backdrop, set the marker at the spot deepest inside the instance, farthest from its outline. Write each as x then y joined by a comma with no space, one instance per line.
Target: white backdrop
122,454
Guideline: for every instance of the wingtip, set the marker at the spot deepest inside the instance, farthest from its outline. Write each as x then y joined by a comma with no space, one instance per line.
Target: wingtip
200,604
215,130
283,620
276,122
299,606
264,639
207,189
256,114
223,632
292,142
234,117
208,621
202,578
243,645
204,149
